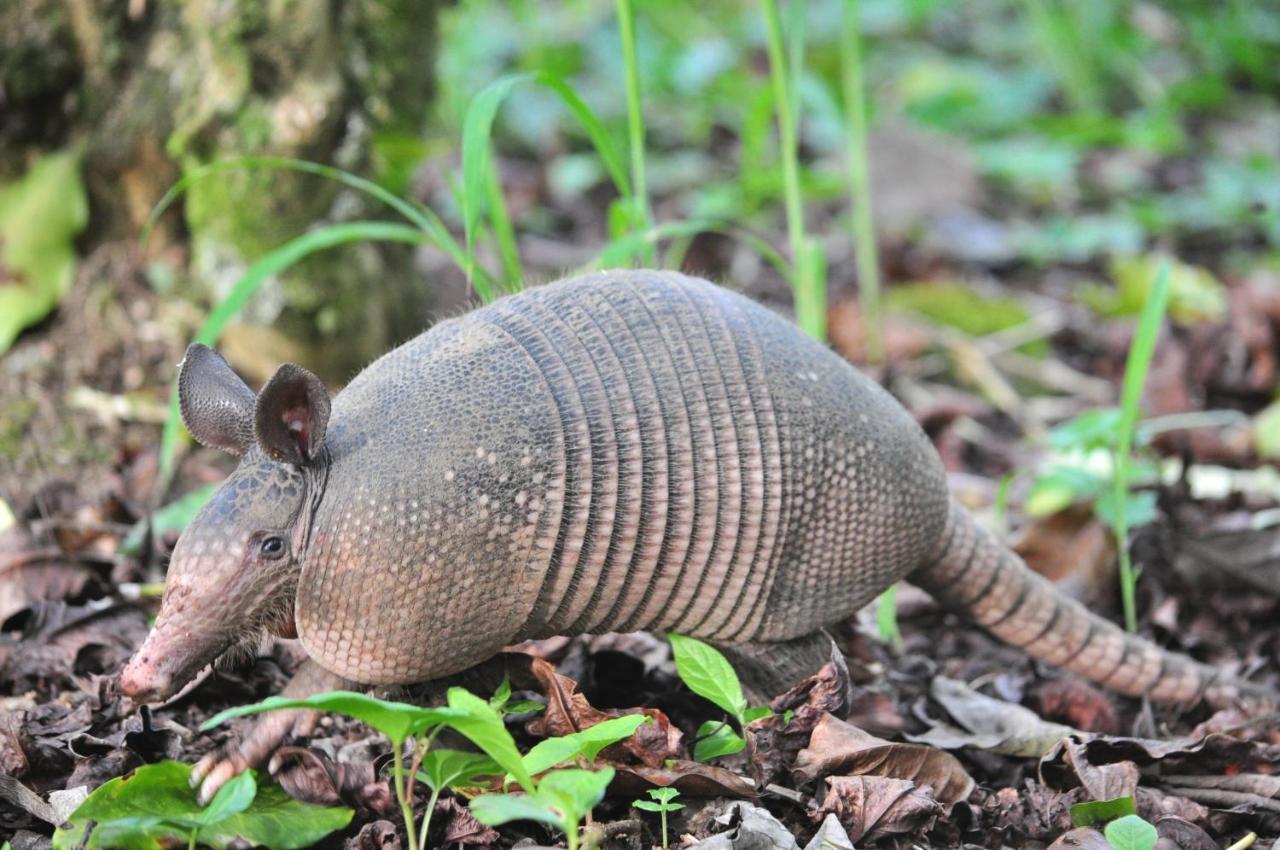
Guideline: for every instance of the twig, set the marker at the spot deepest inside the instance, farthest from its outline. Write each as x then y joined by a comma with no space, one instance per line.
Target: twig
1244,843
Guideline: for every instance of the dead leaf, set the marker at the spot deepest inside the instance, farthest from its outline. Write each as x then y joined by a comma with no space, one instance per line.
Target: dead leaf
837,747
378,835
690,778
460,826
1081,838
1182,835
748,827
772,742
875,806
64,642
1074,550
313,777
568,711
1079,703
989,723
831,835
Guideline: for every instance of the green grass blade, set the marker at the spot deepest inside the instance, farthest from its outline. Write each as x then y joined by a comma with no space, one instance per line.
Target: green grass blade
621,250
640,215
593,127
864,235
503,232
415,213
1135,376
272,264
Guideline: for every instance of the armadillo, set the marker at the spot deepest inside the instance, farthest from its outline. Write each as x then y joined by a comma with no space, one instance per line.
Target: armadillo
627,450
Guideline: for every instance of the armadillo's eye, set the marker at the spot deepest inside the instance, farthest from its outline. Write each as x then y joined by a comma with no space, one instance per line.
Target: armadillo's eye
271,547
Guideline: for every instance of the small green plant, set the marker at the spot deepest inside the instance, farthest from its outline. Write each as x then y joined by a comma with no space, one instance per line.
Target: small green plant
562,799
710,675
661,803
1131,833
503,704
450,769
155,805
1098,812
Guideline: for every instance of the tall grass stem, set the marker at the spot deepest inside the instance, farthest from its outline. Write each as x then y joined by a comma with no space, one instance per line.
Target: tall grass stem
641,216
1135,375
853,81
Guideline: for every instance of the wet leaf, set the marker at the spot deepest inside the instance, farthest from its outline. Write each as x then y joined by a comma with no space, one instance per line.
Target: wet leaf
838,748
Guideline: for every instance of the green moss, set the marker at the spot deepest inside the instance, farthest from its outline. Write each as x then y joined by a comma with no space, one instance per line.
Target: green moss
955,305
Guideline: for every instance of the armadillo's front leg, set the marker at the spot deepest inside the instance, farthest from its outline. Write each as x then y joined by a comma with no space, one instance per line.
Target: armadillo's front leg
268,732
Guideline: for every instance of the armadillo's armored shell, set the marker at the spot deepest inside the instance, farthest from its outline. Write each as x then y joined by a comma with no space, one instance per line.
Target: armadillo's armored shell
620,451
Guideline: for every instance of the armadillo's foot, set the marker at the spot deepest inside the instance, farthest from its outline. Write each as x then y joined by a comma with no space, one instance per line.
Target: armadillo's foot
236,756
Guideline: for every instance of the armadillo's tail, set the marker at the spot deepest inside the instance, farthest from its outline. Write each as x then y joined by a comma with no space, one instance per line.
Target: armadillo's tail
975,574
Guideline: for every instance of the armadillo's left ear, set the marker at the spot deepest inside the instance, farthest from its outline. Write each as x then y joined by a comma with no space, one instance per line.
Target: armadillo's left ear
291,416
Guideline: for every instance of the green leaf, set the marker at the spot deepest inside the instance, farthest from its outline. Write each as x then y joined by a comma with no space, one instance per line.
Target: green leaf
585,744
497,809
478,721
575,792
399,721
715,739
1093,429
501,694
139,811
1131,833
648,806
40,215
1098,812
1139,508
231,799
1060,487
708,673
756,713
664,796
170,519
443,769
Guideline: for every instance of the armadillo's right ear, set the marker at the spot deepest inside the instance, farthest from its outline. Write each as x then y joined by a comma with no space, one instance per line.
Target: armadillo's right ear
217,407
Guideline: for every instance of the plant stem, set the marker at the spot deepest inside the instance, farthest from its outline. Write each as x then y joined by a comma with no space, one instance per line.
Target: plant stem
406,805
191,841
426,819
864,234
807,285
1135,375
635,125
664,829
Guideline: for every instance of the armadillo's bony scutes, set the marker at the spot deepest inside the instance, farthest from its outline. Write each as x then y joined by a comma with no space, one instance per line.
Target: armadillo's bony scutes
627,450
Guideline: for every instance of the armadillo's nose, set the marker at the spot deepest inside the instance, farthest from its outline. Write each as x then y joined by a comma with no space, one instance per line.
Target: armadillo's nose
142,682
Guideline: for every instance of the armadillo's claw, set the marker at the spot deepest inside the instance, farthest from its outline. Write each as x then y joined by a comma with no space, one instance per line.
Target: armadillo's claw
215,770
238,755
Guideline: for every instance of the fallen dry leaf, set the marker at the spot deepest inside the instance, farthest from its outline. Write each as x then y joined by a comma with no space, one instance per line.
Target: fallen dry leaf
1080,703
838,748
690,778
1074,550
568,711
874,806
313,777
460,826
1081,838
989,723
747,827
773,742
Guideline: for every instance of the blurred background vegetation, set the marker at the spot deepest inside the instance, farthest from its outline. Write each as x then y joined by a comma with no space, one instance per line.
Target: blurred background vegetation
1026,159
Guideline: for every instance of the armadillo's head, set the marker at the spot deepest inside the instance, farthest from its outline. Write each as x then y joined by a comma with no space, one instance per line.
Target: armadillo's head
234,573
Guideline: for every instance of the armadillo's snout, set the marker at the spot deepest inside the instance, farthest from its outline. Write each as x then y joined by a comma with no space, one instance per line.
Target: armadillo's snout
142,681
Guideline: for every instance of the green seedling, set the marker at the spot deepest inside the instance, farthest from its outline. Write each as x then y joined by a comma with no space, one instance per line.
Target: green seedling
661,803
465,713
1099,812
584,745
155,805
1131,833
503,704
450,769
562,799
710,675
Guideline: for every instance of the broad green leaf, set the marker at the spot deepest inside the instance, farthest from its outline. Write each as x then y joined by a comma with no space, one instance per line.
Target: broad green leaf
1060,487
1097,812
399,721
1195,295
231,799
501,694
575,792
497,809
40,215
1094,429
1139,508
1131,833
1266,432
957,305
443,769
715,739
136,812
756,713
478,721
708,673
170,519
586,744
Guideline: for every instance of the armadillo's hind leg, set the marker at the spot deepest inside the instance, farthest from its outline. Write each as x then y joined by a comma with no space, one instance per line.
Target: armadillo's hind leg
267,733
768,669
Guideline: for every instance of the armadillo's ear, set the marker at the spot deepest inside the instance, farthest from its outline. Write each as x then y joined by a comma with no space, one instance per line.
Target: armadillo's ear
216,406
292,415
